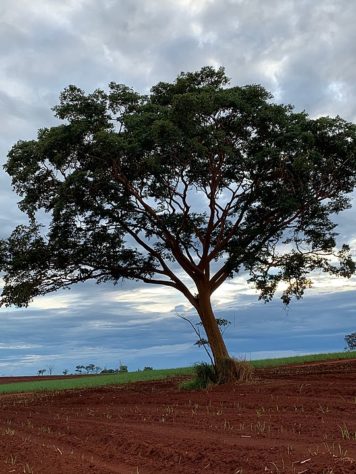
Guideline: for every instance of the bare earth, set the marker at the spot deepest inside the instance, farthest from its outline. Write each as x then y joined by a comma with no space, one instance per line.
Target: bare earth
291,420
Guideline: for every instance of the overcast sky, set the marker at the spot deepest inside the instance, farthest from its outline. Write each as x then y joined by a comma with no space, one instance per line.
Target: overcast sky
303,51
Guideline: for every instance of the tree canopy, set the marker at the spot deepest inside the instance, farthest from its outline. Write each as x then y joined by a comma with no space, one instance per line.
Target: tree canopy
197,178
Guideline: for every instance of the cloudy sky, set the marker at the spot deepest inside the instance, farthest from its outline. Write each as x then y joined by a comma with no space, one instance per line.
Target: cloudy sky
303,51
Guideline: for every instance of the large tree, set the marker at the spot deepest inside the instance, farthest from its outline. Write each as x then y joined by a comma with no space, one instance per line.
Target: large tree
195,182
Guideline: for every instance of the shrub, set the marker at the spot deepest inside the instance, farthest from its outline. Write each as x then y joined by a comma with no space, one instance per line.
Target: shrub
109,371
230,370
204,376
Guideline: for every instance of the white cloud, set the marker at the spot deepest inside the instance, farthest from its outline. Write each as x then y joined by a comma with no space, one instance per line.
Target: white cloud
150,300
192,7
55,301
11,346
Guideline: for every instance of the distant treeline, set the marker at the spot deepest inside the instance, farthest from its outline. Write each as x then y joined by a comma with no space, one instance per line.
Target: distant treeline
90,369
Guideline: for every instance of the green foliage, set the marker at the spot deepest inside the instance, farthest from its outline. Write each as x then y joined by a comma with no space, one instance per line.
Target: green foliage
128,166
92,369
123,369
201,342
212,178
204,375
228,369
191,384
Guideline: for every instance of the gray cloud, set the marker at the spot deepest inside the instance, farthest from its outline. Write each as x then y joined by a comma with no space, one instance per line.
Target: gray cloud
106,334
301,50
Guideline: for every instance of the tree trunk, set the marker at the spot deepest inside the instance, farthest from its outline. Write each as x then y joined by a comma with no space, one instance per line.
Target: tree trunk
225,366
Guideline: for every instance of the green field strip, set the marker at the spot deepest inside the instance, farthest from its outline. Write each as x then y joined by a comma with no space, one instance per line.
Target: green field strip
265,363
78,382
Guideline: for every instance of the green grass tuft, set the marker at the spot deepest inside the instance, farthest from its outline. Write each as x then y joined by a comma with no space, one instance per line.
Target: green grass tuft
192,384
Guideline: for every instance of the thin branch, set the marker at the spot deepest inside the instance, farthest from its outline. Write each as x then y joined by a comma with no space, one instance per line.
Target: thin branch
197,332
170,240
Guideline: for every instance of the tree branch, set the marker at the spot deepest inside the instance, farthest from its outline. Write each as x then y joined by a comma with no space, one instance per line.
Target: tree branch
191,269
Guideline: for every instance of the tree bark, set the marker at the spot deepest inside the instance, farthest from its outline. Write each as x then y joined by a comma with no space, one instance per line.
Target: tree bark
225,366
227,369
205,311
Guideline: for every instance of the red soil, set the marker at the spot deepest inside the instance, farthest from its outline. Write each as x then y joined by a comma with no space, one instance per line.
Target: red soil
289,420
37,378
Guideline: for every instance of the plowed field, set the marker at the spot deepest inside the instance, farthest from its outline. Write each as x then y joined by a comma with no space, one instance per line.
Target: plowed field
289,420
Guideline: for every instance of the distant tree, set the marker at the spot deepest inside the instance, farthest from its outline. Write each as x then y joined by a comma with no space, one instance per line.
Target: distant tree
65,372
123,369
79,368
350,340
147,368
196,178
90,369
50,369
109,371
41,371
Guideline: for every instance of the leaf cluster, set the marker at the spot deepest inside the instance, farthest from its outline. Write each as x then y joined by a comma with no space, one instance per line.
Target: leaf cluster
197,176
